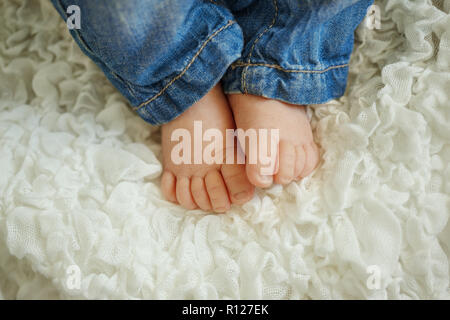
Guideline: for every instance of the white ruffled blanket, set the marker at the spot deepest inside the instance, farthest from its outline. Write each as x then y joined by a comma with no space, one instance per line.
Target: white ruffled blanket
82,216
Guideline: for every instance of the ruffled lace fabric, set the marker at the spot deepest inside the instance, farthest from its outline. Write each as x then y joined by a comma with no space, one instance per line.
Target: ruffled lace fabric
79,182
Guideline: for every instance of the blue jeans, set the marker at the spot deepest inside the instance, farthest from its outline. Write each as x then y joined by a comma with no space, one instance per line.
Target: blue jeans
164,55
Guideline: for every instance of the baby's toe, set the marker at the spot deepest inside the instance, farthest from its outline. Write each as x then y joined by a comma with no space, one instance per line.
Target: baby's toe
183,192
287,162
200,194
256,178
260,171
239,188
217,191
168,183
312,158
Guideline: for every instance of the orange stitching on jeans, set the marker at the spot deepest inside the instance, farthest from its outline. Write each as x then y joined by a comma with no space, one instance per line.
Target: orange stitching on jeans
246,65
244,73
185,68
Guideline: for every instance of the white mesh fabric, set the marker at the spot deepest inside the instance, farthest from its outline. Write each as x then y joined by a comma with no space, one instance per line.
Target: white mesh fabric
79,182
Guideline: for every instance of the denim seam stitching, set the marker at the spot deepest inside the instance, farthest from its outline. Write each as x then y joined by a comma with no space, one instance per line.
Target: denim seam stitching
185,68
244,72
274,66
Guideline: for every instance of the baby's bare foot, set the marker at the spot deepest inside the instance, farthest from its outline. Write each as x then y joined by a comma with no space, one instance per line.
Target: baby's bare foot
210,187
297,154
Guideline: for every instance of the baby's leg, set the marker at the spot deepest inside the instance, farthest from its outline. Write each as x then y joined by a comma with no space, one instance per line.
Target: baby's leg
167,57
296,53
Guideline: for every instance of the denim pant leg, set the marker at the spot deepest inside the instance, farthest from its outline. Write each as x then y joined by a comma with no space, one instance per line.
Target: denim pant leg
296,51
162,55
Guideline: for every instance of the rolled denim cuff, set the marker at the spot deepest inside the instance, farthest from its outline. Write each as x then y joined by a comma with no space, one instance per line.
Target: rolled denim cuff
204,70
294,86
296,51
162,63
